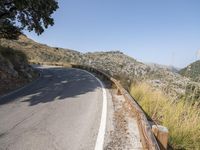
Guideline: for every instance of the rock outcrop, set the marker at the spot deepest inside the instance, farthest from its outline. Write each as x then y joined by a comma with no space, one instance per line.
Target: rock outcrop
14,70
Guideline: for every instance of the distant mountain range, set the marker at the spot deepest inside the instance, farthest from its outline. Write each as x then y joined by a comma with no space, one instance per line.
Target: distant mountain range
170,68
115,63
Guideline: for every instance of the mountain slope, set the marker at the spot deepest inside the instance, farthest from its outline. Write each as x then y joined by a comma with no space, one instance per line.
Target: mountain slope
169,68
41,53
128,70
192,71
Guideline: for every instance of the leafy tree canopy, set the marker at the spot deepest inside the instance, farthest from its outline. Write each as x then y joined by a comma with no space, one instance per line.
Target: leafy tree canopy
33,15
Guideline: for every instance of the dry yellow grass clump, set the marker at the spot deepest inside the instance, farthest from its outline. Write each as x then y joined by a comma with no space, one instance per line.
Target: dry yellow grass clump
181,118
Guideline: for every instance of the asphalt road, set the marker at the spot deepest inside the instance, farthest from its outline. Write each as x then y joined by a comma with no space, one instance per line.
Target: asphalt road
62,110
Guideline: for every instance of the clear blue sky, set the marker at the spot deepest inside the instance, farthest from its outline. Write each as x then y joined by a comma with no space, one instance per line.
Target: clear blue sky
160,31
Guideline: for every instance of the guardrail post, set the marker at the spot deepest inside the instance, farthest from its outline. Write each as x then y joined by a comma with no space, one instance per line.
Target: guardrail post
161,134
118,92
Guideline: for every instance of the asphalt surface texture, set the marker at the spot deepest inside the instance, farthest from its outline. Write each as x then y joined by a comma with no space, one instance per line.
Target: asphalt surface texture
59,111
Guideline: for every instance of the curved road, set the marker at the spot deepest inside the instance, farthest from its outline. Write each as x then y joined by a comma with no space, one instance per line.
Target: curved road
60,111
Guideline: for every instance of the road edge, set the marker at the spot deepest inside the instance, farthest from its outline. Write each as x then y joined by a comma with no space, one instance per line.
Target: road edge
102,128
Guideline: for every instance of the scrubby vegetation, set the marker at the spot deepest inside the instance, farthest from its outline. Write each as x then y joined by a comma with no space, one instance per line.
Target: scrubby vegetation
181,117
192,92
14,69
192,71
13,55
40,53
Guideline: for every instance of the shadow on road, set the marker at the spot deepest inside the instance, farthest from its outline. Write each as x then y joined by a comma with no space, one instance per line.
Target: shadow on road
55,84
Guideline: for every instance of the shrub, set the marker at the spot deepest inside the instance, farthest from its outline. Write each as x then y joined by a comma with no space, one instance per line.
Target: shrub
13,55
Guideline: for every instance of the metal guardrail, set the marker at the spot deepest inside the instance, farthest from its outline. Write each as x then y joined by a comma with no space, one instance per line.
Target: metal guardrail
148,139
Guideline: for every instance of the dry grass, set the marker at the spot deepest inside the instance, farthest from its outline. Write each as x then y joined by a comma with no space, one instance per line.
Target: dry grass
181,117
66,65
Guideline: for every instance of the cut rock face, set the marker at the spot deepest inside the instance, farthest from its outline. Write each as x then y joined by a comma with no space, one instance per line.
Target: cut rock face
14,72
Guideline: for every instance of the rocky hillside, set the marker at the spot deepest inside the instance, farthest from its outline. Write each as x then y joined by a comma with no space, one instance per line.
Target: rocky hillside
117,64
128,70
14,70
192,71
41,53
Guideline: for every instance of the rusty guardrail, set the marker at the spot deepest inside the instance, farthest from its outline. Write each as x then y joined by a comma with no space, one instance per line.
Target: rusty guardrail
148,139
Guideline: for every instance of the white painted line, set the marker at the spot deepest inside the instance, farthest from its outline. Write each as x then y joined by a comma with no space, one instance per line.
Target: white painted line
102,129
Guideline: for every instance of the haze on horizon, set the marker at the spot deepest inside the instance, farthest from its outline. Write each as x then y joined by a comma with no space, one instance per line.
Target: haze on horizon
163,32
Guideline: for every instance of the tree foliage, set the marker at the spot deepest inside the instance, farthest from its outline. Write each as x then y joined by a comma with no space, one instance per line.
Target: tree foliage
33,15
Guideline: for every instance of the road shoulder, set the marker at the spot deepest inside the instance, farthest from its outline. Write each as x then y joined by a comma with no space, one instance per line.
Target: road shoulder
122,130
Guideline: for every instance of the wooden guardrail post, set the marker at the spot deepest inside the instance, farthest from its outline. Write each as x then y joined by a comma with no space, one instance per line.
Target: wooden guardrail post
118,92
161,134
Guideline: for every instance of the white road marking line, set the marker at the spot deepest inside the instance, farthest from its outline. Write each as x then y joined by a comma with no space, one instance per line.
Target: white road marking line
102,129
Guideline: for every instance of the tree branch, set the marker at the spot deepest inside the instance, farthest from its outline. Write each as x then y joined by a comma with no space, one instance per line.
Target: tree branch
11,10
